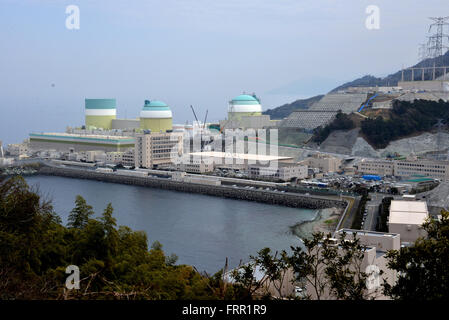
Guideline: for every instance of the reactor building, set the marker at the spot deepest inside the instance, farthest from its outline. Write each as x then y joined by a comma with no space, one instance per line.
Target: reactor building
244,105
100,113
156,116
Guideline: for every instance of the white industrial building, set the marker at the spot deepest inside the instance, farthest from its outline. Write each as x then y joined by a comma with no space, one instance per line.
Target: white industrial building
279,171
406,218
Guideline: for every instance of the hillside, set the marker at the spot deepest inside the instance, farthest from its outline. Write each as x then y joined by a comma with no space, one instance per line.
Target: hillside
392,79
404,120
285,110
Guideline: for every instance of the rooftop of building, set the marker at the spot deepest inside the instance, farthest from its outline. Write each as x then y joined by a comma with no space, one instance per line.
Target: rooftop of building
243,156
246,99
408,212
279,164
408,206
63,135
155,105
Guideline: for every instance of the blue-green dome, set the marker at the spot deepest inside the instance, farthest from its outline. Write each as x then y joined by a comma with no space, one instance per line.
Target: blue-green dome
245,99
155,105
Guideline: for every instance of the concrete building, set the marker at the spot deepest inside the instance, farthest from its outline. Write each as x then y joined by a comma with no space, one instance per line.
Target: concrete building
323,162
128,158
282,171
244,105
114,157
156,116
100,113
157,149
92,156
249,122
406,218
377,167
125,124
79,142
429,168
18,149
436,169
239,160
193,164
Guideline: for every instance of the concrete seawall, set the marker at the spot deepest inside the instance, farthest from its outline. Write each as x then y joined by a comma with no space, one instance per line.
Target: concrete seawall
277,198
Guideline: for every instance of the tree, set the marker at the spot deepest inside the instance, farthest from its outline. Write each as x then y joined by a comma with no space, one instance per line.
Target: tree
423,268
114,263
332,269
329,270
80,215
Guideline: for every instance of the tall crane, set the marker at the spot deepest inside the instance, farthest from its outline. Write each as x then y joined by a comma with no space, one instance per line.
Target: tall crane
204,125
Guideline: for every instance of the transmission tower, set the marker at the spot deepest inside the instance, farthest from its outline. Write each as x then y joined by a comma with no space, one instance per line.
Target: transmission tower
436,41
423,53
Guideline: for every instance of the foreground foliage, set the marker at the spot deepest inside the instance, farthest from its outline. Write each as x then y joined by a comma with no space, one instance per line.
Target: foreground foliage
423,268
114,262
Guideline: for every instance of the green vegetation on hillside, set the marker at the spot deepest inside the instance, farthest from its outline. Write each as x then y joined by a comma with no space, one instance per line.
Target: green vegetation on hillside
285,110
341,122
406,118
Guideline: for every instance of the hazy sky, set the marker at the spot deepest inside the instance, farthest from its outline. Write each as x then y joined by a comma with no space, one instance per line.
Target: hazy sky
191,52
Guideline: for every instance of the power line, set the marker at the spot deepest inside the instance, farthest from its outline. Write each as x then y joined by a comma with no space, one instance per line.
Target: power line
436,46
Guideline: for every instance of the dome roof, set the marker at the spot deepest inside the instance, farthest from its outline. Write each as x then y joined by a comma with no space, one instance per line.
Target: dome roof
245,103
155,109
155,104
245,99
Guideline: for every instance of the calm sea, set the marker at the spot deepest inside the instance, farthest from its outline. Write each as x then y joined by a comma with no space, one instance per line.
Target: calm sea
201,230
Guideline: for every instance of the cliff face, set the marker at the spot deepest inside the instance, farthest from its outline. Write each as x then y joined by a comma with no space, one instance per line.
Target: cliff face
347,142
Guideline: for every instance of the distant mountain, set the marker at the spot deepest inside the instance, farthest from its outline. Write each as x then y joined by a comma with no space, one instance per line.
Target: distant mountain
392,79
285,110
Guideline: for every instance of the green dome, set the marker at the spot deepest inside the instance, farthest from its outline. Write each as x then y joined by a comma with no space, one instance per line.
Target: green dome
245,99
155,105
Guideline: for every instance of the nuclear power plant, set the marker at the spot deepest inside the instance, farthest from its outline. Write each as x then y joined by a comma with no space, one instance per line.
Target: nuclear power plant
244,105
156,116
103,131
100,113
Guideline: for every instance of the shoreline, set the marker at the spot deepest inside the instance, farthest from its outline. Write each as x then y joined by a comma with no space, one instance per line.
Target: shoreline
324,221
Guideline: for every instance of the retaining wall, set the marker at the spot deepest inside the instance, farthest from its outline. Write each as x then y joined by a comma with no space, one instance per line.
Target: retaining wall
278,198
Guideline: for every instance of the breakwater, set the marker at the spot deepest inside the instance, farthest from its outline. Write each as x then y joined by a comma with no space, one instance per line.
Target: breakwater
277,198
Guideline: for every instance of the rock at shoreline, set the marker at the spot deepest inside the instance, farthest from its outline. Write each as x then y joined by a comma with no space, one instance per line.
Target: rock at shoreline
325,221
